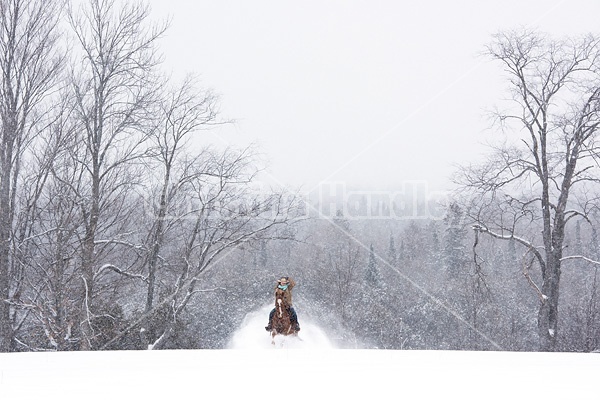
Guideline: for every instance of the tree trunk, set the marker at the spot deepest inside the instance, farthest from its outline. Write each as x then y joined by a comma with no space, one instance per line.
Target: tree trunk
548,312
6,210
87,263
6,334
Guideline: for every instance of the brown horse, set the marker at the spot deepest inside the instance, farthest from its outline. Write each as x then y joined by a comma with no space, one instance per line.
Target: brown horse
280,321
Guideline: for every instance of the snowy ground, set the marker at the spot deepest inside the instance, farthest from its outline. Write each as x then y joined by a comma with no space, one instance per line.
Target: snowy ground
310,368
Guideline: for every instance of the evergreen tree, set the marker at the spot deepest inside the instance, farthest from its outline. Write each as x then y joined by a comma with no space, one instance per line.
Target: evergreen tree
454,248
341,221
578,243
512,254
414,243
434,245
401,251
593,246
372,277
392,255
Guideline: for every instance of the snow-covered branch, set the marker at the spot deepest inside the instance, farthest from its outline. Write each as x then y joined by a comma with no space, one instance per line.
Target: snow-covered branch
584,258
530,246
111,267
573,213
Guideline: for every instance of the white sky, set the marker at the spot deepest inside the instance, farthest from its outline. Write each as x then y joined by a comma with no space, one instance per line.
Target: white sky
367,92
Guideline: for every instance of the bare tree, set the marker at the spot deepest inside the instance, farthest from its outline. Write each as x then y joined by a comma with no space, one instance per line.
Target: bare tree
29,65
339,275
114,85
214,211
45,229
526,191
183,112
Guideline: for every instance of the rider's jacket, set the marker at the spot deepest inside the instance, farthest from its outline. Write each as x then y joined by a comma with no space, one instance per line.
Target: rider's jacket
288,291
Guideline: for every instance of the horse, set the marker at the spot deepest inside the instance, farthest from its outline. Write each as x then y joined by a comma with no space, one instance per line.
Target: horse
281,321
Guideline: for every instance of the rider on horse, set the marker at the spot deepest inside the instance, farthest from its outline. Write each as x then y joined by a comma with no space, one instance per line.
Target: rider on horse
286,284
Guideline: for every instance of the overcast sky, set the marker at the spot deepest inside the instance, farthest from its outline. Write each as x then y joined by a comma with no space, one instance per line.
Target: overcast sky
360,92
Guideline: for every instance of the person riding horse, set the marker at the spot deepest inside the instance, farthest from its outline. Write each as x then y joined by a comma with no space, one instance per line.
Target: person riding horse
286,284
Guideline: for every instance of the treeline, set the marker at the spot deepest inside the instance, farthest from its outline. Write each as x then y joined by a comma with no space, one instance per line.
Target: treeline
400,284
413,284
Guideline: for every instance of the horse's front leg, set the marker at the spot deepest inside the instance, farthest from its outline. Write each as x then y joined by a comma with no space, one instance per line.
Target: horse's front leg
273,333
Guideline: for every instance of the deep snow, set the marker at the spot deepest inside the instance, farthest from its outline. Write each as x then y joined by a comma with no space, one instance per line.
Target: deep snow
311,368
252,334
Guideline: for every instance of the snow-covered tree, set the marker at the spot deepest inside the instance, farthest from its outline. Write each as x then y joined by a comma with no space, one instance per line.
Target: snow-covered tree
30,68
392,254
372,277
455,251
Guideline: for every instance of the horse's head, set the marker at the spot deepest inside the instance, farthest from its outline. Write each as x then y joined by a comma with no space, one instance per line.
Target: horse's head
280,298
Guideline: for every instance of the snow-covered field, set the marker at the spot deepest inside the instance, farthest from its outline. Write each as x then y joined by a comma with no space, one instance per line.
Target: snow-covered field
310,368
